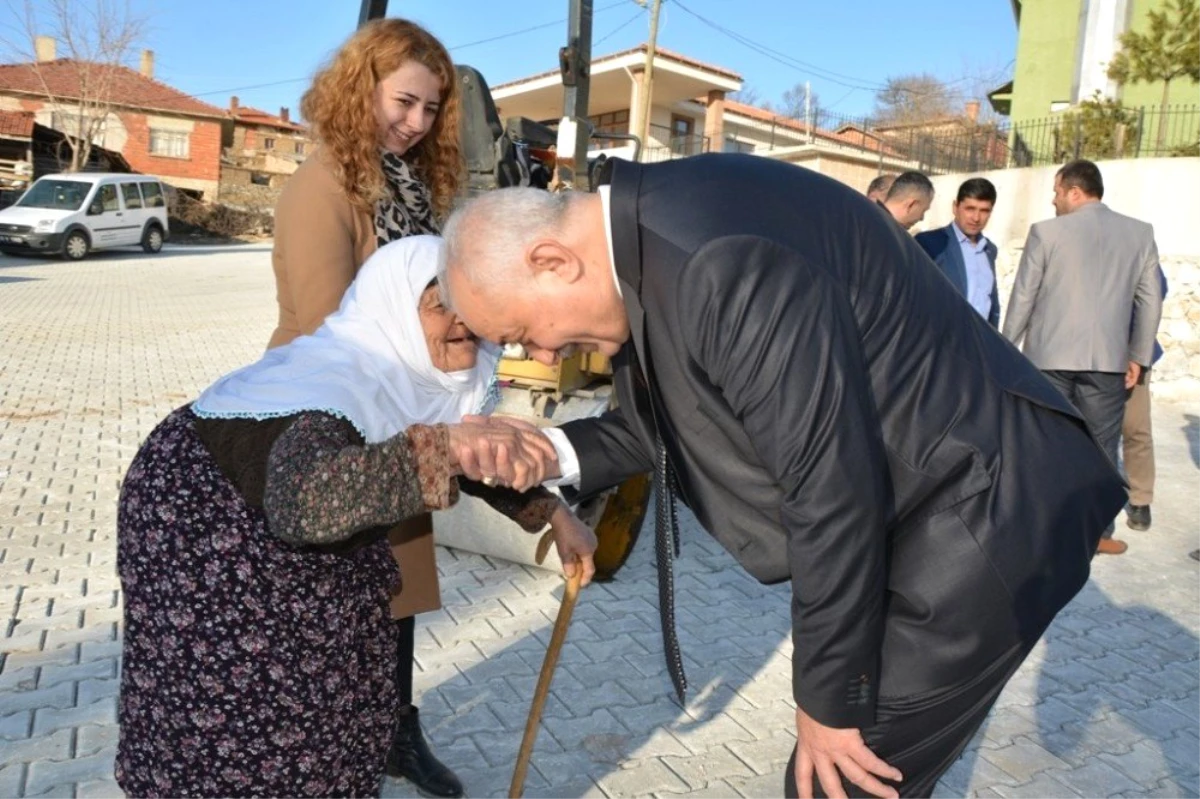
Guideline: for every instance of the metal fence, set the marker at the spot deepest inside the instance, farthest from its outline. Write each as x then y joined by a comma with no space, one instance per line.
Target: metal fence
961,144
1094,131
1097,132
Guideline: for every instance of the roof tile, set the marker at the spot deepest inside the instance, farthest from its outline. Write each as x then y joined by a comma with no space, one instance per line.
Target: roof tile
64,77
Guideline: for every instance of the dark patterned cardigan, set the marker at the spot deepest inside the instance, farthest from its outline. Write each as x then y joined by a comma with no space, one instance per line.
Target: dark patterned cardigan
319,484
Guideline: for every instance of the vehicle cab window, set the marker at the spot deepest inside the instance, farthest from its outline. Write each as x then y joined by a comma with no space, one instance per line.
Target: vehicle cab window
132,195
108,198
154,195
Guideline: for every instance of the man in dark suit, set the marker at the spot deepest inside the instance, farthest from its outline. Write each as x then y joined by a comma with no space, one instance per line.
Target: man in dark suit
789,361
963,253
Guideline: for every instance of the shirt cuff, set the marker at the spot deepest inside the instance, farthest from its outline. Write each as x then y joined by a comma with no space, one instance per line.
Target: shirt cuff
431,451
568,461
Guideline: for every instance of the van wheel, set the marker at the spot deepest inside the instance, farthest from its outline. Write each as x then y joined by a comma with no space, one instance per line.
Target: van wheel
152,241
76,246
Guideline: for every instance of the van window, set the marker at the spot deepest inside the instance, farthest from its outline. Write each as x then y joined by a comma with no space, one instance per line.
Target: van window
108,198
133,197
60,195
153,194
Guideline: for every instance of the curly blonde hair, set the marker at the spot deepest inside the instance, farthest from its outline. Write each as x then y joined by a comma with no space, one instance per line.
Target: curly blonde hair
340,107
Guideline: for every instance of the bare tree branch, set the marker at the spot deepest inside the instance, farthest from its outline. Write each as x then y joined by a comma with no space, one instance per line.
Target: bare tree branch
93,40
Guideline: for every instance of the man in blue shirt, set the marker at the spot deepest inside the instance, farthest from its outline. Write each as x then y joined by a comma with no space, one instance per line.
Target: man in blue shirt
963,253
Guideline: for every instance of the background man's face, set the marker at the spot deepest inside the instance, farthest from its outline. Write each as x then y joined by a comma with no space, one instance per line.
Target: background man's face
1063,202
914,211
972,215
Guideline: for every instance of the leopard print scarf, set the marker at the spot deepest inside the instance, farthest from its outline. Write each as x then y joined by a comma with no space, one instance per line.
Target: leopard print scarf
409,210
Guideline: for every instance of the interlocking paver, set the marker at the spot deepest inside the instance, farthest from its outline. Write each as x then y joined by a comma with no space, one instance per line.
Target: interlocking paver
1106,703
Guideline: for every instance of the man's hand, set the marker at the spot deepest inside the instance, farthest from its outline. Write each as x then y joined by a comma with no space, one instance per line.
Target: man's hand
1133,375
501,454
828,751
574,540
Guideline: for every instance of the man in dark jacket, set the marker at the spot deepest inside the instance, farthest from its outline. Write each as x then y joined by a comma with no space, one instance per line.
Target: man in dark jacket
963,253
789,361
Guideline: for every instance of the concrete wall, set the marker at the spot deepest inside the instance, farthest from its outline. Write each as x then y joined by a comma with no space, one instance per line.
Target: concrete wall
1048,52
1047,40
1157,190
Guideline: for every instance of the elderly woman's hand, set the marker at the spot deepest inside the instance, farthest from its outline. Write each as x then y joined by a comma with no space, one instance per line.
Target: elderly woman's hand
516,456
576,543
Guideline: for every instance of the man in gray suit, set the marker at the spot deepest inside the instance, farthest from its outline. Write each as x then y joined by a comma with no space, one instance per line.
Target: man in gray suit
1082,277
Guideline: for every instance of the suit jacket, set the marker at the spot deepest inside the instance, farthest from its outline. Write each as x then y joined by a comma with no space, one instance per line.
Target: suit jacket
1082,277
321,241
943,247
839,418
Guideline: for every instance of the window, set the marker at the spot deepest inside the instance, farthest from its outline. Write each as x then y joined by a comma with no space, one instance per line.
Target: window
74,123
732,145
612,122
133,197
153,194
683,142
65,195
171,143
260,179
299,148
268,143
108,198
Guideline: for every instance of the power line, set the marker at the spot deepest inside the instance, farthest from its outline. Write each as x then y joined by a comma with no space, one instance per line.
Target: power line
788,61
531,29
812,69
465,45
619,28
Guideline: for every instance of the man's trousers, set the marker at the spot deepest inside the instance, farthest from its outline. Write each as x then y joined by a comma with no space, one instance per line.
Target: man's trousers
1138,444
1100,399
923,736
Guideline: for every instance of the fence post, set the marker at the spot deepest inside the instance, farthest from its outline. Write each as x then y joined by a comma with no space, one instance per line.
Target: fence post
1078,135
1140,131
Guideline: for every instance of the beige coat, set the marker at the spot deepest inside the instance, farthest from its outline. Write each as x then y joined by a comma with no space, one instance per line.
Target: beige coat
321,241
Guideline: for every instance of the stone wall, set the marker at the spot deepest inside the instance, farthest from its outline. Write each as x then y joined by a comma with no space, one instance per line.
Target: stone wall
1178,373
238,190
1158,190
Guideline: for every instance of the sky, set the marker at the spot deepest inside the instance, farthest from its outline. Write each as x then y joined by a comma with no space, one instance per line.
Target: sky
265,51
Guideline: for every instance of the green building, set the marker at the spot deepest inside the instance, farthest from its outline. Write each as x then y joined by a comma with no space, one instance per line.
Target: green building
1063,50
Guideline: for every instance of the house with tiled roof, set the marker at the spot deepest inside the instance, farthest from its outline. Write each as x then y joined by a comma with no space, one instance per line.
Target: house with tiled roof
157,129
691,113
260,152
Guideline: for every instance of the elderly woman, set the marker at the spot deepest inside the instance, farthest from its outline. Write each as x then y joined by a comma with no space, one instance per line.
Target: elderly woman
252,543
385,113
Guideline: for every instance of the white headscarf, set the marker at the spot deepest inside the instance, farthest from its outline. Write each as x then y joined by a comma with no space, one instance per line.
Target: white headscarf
368,363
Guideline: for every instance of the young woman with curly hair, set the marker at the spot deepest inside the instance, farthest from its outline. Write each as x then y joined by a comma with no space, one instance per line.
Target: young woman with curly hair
385,113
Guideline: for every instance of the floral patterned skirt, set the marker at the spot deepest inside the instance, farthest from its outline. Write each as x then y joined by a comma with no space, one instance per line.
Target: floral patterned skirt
250,667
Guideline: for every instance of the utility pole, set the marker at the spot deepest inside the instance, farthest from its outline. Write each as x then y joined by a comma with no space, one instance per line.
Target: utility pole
648,72
575,65
808,110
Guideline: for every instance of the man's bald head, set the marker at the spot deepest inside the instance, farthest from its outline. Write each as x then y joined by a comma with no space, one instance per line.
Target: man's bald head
529,267
488,236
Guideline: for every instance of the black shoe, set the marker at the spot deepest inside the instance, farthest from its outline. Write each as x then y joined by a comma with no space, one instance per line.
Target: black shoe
410,758
1194,554
1137,517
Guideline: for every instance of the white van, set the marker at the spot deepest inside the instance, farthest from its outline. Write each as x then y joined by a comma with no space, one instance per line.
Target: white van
76,213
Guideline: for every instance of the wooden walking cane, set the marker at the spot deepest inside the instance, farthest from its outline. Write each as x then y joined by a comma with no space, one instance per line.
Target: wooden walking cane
517,787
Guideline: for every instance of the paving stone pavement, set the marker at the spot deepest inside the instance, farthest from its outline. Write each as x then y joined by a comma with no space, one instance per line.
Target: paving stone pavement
93,354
